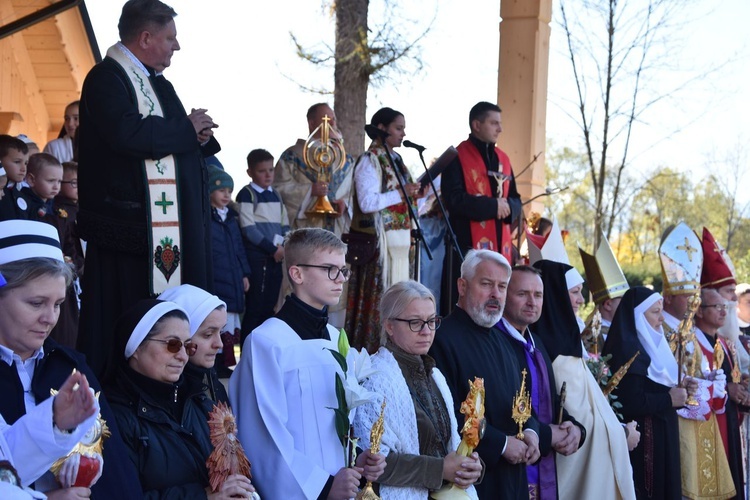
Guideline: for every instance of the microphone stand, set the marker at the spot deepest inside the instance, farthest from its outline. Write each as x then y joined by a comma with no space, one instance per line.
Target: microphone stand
417,233
451,236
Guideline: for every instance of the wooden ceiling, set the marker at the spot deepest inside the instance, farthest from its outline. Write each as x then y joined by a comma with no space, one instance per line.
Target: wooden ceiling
42,66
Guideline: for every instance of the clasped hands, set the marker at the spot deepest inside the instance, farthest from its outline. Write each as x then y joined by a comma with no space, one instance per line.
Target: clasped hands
503,208
526,451
202,123
565,438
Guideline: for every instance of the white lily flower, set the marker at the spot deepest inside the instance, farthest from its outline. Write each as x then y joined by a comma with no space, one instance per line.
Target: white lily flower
359,365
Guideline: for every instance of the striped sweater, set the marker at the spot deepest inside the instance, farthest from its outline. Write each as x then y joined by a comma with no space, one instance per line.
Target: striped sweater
262,216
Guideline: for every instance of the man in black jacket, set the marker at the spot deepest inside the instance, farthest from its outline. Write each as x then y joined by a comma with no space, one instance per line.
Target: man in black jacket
469,345
480,193
144,207
523,307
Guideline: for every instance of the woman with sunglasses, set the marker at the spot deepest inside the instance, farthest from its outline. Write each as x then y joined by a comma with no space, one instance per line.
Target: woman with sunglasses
208,316
163,421
420,438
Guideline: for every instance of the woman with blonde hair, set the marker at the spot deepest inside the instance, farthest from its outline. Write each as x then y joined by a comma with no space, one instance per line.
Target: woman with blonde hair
420,430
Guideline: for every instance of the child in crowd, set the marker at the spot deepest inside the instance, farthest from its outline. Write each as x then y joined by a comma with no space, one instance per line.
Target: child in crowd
44,176
264,222
13,158
63,217
33,147
231,269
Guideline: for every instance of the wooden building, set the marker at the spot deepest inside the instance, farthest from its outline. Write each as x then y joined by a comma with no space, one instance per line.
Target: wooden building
46,49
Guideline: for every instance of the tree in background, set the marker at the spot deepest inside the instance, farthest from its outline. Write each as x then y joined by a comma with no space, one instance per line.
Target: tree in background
363,54
615,48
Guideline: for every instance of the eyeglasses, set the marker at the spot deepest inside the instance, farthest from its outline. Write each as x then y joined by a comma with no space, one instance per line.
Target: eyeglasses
416,325
718,307
333,271
73,183
174,345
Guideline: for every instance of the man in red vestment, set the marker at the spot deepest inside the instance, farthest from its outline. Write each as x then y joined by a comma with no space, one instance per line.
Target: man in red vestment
480,194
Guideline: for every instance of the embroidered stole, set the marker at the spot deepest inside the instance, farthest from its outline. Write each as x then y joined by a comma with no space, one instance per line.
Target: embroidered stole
162,194
484,233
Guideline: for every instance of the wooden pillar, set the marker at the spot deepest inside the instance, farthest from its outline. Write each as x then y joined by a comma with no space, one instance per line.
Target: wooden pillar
522,90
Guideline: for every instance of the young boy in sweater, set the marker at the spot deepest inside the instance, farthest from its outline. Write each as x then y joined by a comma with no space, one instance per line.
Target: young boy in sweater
264,222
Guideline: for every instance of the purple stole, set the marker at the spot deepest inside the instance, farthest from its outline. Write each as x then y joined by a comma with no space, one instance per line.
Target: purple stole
543,474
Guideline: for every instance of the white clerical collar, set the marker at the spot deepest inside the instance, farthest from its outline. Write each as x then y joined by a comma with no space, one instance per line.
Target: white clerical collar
134,59
7,355
606,322
259,189
516,334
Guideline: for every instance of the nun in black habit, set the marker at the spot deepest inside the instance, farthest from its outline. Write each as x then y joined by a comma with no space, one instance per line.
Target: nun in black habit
601,467
649,392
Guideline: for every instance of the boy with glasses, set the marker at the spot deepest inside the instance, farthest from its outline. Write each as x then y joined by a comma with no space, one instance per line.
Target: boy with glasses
283,389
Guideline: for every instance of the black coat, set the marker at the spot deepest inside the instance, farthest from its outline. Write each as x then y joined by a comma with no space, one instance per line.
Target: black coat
168,445
114,139
230,261
463,350
463,208
207,381
119,479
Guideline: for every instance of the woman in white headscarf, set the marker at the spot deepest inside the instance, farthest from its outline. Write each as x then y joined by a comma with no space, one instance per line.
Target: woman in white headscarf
208,316
650,392
163,420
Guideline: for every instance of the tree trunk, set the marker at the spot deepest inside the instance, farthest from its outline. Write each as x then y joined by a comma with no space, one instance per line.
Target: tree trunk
351,72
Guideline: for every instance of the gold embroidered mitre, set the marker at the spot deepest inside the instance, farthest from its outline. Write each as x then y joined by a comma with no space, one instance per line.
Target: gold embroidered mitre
681,258
603,273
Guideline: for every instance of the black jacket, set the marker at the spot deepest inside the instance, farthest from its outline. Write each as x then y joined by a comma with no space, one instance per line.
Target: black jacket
168,442
207,381
119,479
230,261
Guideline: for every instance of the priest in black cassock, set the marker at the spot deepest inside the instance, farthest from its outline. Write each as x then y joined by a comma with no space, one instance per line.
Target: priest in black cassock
468,345
523,306
144,207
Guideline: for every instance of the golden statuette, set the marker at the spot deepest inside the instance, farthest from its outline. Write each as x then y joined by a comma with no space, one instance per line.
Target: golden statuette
617,376
324,153
376,435
521,406
473,430
686,335
718,354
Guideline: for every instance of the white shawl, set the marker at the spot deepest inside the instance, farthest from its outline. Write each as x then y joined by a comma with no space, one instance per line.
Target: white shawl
400,429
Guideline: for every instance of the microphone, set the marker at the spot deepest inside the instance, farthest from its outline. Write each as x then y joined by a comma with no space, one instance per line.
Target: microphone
410,144
374,132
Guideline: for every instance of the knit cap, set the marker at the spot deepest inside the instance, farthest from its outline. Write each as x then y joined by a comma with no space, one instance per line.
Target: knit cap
218,179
